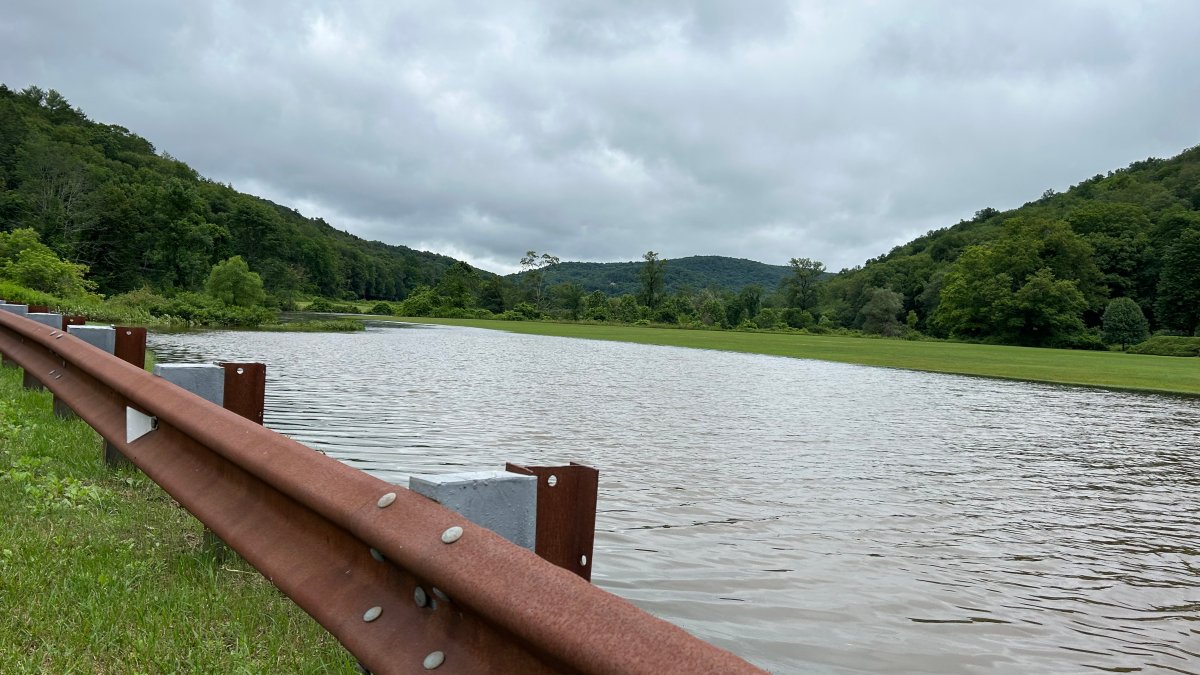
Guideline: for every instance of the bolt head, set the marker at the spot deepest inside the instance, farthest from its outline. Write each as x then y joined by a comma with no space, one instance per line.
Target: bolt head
372,614
386,500
452,535
434,660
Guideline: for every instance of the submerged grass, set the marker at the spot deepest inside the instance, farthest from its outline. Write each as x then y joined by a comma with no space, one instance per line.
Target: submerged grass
342,325
1113,370
100,571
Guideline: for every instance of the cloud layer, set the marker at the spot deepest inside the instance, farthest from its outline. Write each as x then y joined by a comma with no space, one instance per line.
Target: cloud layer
599,130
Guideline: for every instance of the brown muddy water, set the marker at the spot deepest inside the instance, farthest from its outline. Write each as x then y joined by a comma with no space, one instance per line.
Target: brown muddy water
808,516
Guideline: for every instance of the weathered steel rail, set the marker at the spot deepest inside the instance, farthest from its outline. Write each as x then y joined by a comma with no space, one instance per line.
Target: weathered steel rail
401,581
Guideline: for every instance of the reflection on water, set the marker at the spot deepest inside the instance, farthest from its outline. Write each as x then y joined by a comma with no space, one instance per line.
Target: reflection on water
809,516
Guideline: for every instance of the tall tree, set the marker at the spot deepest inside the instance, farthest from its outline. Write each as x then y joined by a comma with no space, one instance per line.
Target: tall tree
570,297
533,266
802,285
651,277
459,285
881,311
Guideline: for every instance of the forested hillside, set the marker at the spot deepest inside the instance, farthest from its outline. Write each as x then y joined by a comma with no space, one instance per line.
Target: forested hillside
1105,262
102,196
694,273
1045,273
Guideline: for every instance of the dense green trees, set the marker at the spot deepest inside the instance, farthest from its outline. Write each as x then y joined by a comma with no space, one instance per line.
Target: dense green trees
1128,234
80,198
100,196
26,261
681,275
1023,288
1178,303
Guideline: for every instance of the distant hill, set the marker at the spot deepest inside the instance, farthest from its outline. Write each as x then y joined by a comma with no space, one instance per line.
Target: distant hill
694,272
101,195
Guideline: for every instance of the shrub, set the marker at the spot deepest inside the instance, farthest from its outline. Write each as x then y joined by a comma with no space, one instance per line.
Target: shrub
17,294
526,310
1168,345
383,309
324,305
768,318
1089,340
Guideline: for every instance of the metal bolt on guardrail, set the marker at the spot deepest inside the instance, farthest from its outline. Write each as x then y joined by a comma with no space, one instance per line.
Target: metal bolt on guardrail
320,532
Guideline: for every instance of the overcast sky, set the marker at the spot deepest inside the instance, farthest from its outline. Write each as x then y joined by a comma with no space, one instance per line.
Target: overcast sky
599,130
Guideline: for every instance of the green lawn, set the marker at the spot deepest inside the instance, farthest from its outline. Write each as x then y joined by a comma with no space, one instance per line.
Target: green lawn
1063,366
101,572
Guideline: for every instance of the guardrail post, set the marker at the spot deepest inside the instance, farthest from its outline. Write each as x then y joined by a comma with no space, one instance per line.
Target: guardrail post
238,387
566,514
130,345
73,320
208,382
103,338
245,389
202,379
19,310
501,501
30,380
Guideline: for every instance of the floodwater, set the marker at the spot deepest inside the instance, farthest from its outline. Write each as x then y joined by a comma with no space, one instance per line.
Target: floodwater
808,516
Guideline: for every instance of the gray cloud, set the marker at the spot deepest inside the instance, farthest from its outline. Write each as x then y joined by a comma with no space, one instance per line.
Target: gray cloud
599,130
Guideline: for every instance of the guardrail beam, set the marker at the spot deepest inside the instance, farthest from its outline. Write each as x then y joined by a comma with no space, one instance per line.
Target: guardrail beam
401,581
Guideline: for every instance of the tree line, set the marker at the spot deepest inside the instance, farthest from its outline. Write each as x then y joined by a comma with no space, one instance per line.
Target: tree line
101,196
1109,261
1047,273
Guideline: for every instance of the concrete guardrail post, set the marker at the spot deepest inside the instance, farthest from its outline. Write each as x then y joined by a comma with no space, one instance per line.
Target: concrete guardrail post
103,338
503,502
127,343
19,310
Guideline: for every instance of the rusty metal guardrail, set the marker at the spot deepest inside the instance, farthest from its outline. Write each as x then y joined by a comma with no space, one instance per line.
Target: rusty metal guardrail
401,581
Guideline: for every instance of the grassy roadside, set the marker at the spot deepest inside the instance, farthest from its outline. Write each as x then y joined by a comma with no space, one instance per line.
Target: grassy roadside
100,571
1114,370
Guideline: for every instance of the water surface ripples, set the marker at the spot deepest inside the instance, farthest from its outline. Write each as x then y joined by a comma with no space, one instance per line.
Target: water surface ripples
809,516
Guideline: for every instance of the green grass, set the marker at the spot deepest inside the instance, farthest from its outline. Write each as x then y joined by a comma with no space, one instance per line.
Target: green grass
100,571
1062,366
